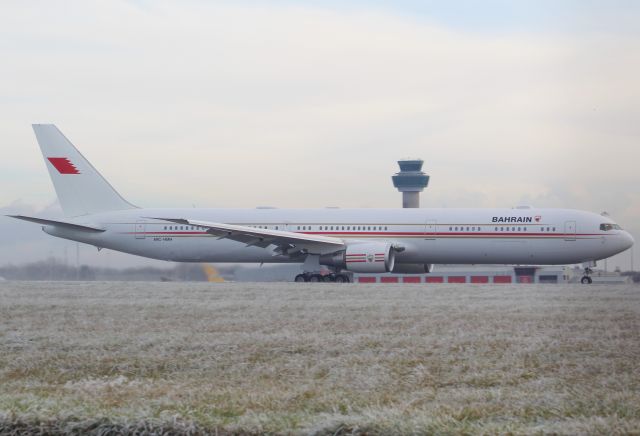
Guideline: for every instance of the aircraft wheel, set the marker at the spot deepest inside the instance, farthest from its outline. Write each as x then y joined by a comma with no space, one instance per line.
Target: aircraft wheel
341,278
329,278
586,280
300,278
315,278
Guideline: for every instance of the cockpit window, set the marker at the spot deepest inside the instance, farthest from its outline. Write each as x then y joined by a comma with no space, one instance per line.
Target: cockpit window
608,226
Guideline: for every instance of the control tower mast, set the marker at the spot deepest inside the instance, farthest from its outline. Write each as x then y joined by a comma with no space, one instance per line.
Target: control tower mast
410,181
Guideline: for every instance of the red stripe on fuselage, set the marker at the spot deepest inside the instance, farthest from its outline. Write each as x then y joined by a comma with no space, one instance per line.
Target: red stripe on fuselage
409,234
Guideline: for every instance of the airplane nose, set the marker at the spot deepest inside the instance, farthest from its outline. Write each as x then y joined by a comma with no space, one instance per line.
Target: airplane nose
628,239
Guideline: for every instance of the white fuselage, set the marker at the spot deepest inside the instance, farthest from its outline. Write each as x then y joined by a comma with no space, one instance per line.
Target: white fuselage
428,236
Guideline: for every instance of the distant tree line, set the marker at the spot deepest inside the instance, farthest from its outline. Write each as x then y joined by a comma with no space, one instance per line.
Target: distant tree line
52,269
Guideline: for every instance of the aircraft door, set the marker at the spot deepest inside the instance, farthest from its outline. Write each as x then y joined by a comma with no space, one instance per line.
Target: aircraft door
140,228
570,231
430,229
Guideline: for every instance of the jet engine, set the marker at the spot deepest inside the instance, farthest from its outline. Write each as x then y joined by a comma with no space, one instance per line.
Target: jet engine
412,268
366,257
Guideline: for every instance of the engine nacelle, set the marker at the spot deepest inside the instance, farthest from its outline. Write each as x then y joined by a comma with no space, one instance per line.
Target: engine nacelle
412,268
372,257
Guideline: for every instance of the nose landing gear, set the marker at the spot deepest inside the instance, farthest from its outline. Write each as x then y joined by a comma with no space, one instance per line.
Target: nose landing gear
586,279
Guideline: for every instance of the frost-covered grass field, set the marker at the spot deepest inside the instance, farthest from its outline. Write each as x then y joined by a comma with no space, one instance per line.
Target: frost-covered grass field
321,358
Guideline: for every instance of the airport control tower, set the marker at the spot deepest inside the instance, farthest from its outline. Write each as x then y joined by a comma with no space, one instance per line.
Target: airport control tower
410,181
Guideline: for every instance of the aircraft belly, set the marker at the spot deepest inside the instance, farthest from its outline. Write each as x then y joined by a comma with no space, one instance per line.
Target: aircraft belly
185,249
501,251
212,249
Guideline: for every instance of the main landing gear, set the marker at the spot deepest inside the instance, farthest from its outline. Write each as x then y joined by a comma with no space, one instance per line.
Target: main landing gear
586,279
316,278
312,269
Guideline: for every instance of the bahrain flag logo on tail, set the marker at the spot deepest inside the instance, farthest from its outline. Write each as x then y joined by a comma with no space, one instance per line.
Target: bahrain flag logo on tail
63,165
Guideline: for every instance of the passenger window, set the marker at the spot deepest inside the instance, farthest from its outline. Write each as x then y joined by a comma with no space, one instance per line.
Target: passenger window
554,229
519,229
496,229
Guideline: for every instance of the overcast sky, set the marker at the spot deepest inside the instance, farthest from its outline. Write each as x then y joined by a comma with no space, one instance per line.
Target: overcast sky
310,103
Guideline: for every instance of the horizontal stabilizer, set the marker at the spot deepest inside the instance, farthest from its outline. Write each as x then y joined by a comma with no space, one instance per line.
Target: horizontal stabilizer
54,223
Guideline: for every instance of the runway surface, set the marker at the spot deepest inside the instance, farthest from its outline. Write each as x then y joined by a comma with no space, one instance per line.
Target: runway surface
319,358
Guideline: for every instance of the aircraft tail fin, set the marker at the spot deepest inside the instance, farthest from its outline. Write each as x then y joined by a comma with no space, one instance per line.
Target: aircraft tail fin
80,187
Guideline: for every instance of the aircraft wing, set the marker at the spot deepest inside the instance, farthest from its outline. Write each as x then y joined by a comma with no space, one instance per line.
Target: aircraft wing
286,243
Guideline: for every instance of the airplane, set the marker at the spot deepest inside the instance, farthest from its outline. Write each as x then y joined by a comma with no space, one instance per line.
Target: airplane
342,241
